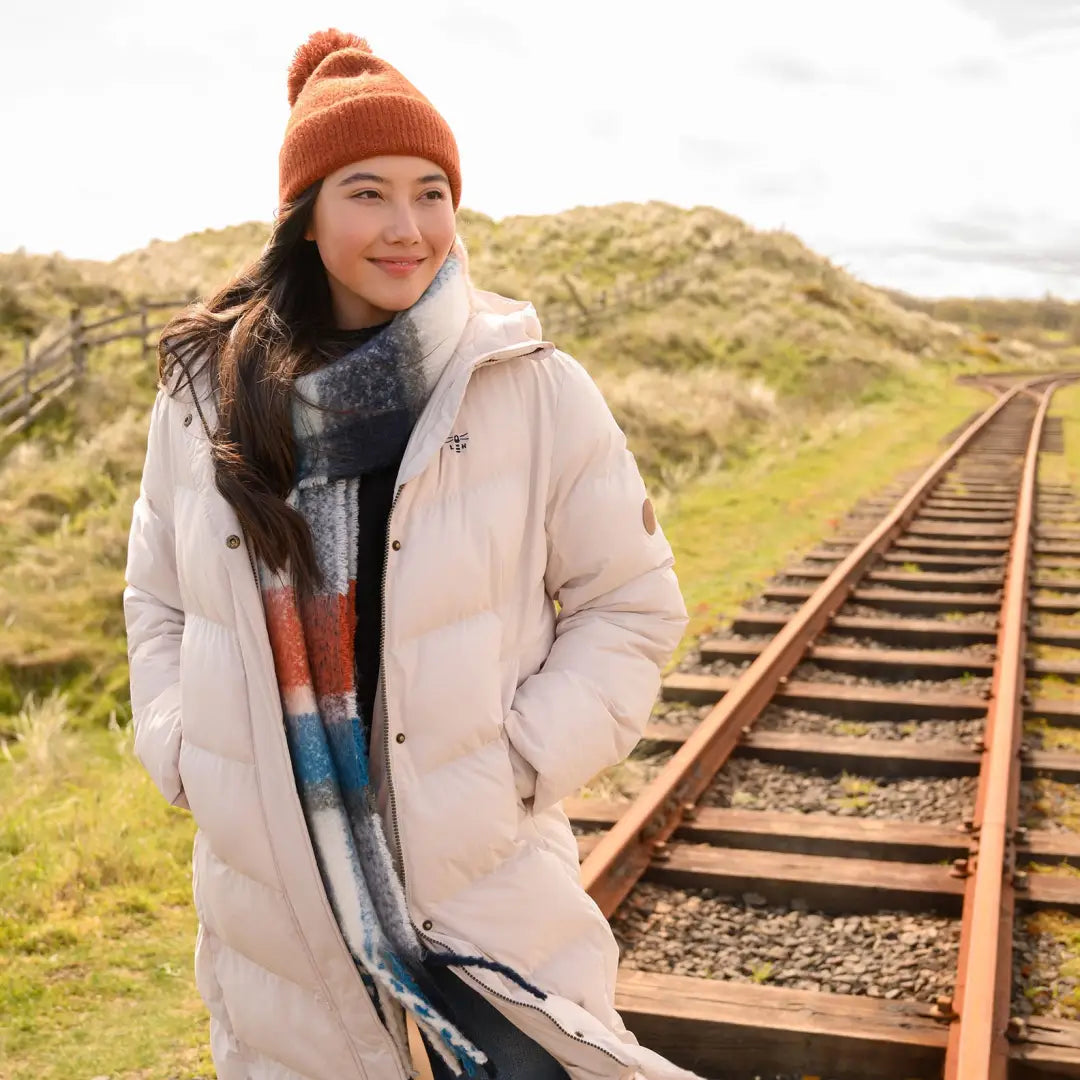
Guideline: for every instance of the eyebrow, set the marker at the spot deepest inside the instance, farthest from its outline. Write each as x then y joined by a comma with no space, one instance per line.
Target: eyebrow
375,179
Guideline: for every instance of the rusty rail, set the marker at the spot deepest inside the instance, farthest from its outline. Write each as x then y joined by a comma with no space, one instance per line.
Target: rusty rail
618,861
977,1047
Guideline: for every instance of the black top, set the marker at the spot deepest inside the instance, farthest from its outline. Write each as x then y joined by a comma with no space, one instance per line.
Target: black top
374,499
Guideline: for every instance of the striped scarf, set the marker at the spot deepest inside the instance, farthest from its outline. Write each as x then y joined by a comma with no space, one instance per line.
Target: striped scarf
375,392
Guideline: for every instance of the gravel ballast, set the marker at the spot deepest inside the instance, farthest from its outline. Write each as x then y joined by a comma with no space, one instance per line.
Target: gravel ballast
979,652
972,685
980,619
741,939
777,718
750,784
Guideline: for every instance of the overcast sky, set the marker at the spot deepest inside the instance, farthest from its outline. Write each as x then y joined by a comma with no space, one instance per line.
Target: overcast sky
930,145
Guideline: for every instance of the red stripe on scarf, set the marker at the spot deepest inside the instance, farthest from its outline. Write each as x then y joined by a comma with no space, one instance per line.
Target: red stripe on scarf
330,623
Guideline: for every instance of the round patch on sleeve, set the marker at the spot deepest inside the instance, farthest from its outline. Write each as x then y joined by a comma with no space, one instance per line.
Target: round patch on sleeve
648,516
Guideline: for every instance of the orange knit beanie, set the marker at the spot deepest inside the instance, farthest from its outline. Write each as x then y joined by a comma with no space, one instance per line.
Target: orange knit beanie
347,105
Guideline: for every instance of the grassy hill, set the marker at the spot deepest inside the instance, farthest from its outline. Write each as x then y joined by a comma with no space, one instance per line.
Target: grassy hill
756,343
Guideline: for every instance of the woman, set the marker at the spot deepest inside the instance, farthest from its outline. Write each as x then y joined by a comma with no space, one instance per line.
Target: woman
367,486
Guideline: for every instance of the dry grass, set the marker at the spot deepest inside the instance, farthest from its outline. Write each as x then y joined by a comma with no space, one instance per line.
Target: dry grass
1054,801
1053,736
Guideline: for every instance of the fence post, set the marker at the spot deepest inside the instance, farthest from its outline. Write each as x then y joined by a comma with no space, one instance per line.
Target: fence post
26,373
78,349
576,296
144,327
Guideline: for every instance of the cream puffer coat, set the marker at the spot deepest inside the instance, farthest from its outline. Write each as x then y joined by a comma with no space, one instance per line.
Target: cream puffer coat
516,490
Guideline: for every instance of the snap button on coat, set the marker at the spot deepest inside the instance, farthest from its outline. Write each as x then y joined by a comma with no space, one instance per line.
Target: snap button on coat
648,516
187,420
233,541
396,545
401,737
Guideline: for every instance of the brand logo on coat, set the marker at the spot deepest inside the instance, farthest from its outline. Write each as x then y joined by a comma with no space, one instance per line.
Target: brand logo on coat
458,443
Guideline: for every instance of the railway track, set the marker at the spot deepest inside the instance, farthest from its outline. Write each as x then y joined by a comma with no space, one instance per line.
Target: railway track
835,867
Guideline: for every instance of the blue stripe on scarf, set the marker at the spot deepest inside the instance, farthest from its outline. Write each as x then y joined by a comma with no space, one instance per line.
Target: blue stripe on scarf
310,751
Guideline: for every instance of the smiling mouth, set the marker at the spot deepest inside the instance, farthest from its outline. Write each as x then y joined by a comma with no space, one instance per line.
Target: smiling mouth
397,267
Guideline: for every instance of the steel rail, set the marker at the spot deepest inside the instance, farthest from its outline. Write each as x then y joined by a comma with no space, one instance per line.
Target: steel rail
620,859
978,1048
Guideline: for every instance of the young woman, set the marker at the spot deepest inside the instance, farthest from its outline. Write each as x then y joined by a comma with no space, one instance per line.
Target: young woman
394,589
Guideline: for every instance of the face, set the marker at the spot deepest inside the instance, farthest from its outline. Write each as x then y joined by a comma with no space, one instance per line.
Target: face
383,227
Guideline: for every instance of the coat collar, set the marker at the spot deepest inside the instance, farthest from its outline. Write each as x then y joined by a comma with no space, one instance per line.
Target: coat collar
498,329
499,325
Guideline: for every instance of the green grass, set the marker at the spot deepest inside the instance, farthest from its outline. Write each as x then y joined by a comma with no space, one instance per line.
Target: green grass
1065,929
761,973
1052,687
734,529
96,923
1064,468
852,728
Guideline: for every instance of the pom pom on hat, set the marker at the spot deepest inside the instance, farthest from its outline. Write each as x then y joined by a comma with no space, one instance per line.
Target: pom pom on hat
314,51
346,104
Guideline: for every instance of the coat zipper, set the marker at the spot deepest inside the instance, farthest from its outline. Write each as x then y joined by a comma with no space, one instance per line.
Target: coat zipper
529,1005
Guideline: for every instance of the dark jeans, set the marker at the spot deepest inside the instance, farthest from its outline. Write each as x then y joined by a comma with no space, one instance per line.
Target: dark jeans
514,1055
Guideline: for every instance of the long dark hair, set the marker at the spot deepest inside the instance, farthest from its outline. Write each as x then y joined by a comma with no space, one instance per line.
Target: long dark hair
249,341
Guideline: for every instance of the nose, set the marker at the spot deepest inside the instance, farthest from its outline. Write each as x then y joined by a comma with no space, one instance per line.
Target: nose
402,227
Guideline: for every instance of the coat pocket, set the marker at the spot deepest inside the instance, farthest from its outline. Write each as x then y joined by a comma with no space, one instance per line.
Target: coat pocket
524,773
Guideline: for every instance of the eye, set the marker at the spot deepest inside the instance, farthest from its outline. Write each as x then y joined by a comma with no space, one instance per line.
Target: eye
366,191
439,195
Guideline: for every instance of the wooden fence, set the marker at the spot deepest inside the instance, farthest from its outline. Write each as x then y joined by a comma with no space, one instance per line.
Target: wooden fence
582,313
49,370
